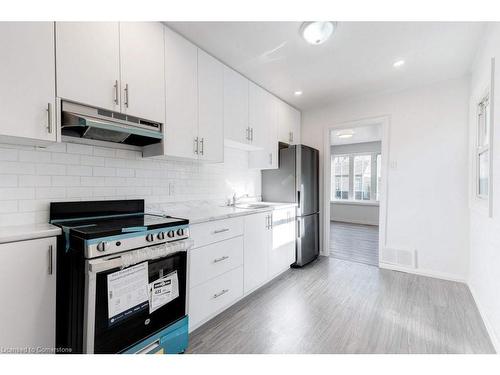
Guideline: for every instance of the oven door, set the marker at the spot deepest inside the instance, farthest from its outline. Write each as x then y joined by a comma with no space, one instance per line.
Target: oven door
109,330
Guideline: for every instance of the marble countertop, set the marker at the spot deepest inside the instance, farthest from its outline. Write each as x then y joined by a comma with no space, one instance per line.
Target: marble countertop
28,232
207,211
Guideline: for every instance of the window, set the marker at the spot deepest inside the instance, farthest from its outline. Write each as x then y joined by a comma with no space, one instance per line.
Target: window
362,177
340,176
356,177
483,148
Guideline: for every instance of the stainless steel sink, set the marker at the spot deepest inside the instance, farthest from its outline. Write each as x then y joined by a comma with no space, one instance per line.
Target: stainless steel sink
251,205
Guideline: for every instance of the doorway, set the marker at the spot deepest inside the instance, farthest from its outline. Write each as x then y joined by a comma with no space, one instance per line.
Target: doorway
355,190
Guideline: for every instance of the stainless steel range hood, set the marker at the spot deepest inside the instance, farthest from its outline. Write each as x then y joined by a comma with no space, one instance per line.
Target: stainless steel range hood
99,124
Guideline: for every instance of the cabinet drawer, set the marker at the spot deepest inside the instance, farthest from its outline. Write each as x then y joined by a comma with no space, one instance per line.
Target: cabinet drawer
213,260
209,298
214,231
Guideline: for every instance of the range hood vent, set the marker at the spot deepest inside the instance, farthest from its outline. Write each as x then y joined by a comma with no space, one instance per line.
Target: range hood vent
93,123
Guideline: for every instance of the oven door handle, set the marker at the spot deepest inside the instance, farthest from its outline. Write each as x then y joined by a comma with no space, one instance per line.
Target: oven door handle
117,261
148,348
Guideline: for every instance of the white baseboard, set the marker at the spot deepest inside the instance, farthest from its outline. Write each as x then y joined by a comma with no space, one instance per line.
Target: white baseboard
422,272
487,324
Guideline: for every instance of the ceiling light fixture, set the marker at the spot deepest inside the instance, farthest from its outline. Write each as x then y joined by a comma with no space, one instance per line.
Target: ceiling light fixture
317,32
398,64
298,93
345,134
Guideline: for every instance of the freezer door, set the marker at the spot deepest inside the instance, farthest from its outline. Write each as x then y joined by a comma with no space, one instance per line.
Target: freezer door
279,185
307,239
307,181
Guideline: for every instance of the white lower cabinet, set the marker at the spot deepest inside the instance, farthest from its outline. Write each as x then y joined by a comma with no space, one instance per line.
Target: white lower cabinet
258,241
282,252
210,298
212,260
28,294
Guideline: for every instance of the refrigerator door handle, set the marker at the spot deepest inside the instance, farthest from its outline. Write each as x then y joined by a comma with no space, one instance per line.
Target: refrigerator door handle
298,198
298,228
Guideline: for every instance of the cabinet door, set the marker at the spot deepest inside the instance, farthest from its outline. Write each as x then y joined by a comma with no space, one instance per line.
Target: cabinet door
27,76
142,62
28,293
210,108
88,63
282,252
235,106
264,124
181,123
288,124
257,243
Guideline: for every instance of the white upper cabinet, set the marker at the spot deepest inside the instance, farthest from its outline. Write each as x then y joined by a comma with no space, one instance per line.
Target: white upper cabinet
27,76
288,124
263,110
181,125
142,62
88,63
210,108
235,107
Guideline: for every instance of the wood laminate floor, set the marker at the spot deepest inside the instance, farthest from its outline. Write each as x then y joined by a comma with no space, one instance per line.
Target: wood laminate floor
354,242
335,306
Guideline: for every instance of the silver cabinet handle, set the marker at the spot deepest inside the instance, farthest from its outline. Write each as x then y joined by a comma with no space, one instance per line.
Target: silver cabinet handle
290,137
251,134
51,264
217,260
115,86
196,145
271,158
49,118
126,95
221,230
202,146
271,221
247,136
222,292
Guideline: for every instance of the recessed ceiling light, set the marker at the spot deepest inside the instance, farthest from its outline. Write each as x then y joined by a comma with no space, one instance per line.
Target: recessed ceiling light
345,134
398,64
317,32
298,93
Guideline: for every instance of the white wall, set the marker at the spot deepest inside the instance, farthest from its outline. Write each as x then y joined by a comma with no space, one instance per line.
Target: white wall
32,177
484,273
427,182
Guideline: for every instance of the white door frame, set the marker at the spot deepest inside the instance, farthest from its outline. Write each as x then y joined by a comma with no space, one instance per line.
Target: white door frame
384,121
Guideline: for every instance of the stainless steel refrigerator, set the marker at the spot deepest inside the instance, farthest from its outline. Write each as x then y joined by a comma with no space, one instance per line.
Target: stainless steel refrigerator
296,180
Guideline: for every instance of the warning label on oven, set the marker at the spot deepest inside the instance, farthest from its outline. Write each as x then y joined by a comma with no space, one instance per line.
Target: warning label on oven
163,290
127,292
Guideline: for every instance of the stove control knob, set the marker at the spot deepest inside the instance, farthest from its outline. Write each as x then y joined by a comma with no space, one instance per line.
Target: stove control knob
101,246
161,235
150,237
180,232
170,234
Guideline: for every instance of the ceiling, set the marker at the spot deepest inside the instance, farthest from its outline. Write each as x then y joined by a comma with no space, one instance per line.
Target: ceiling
356,61
361,134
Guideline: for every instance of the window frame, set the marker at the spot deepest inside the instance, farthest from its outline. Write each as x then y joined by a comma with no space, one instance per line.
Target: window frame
480,149
374,189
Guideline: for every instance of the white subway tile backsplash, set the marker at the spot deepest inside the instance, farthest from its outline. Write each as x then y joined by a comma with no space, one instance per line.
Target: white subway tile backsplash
65,158
31,178
8,180
14,167
7,154
51,169
75,148
96,161
34,180
34,156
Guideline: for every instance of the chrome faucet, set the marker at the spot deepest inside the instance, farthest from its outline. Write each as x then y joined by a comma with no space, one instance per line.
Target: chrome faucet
235,199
